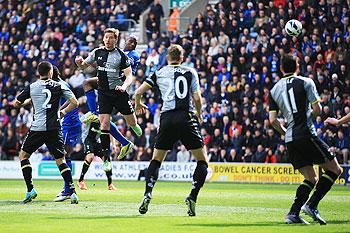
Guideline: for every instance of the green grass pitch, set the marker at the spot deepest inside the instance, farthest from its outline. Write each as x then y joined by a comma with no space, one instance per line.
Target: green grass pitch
222,207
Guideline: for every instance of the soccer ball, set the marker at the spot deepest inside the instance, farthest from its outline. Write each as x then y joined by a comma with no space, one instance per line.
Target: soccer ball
293,27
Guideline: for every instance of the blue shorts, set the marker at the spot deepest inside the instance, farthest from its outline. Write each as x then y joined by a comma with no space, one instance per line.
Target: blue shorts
71,135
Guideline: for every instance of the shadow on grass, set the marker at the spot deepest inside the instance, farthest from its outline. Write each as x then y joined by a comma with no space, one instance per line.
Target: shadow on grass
20,203
269,224
231,224
95,217
338,222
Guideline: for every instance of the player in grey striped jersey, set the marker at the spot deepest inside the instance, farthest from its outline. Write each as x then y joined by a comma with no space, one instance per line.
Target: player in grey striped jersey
45,95
179,87
294,96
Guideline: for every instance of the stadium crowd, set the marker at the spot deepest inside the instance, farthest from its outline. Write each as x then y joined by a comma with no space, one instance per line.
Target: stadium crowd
235,46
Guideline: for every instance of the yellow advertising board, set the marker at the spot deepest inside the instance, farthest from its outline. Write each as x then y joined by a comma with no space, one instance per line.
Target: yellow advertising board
254,173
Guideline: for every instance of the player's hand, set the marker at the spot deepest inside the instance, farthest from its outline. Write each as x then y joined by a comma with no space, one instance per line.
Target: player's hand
140,108
332,121
79,60
120,88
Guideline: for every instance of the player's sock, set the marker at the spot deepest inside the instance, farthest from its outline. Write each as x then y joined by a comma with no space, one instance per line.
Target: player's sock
91,100
117,135
322,187
86,166
199,176
67,176
27,174
105,143
69,164
109,177
152,175
301,196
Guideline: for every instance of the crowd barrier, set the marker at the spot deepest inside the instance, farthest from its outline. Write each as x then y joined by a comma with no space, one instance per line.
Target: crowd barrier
172,171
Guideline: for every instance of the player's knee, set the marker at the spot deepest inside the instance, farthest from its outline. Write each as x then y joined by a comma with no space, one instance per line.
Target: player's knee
338,170
89,157
87,85
23,155
313,179
60,161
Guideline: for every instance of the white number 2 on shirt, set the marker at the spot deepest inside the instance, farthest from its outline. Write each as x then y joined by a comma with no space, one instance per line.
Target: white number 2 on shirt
48,98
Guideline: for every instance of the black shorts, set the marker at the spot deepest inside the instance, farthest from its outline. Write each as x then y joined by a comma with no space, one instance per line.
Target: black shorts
109,99
308,151
178,125
52,139
92,146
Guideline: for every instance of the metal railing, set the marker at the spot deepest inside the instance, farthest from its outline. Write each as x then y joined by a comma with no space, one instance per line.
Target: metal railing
122,24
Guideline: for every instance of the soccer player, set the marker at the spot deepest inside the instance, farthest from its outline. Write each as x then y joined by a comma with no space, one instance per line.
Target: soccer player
336,122
92,147
293,95
179,87
71,130
45,95
111,64
92,83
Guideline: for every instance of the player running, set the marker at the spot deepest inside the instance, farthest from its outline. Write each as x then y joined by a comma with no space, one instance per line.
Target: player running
92,148
112,66
179,87
45,95
92,83
71,130
292,95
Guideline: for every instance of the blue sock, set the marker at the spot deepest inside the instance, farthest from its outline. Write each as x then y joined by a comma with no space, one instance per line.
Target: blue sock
117,135
91,101
69,163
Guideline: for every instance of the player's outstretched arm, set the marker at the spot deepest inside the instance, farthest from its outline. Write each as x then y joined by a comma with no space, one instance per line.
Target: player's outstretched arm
275,123
141,108
72,104
334,121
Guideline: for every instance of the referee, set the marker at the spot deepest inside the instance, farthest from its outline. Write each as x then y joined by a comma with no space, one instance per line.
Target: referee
112,64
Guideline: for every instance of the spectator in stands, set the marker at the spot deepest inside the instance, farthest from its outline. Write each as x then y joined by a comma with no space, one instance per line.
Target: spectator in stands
281,154
342,147
260,155
183,155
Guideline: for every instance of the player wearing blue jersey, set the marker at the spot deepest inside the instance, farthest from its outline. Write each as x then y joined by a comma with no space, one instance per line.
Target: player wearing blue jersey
91,84
71,131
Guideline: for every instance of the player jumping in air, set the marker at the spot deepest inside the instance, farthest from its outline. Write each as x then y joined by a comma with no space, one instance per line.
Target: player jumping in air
92,83
179,87
114,77
71,130
45,95
92,148
293,95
